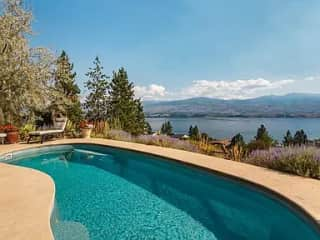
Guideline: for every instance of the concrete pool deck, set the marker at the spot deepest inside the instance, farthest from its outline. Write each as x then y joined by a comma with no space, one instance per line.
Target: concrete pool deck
27,195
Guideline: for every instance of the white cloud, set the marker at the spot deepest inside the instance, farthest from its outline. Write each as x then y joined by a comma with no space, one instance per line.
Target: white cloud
151,92
312,78
238,89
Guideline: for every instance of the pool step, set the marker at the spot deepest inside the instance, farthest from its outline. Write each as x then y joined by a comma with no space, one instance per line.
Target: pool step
70,231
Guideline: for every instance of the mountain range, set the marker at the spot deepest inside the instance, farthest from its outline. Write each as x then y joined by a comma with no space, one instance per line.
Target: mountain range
291,105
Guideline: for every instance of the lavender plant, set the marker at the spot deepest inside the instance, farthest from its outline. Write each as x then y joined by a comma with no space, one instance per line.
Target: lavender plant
303,161
161,140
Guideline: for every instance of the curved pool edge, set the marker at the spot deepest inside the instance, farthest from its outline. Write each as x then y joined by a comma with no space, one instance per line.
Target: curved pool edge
27,203
302,194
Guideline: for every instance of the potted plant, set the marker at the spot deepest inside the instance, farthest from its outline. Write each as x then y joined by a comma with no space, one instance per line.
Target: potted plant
12,133
86,129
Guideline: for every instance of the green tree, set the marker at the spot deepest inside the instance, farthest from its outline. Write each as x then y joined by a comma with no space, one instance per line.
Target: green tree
166,128
300,138
123,107
96,103
67,97
190,131
194,133
141,124
262,140
148,128
25,72
288,139
238,147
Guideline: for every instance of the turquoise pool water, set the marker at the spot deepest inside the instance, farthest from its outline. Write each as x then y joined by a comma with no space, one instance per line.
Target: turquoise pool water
107,193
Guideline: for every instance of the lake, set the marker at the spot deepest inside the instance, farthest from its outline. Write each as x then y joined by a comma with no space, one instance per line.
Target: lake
228,127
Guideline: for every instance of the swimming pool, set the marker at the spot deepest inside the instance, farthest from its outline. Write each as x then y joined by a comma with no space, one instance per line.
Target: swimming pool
109,193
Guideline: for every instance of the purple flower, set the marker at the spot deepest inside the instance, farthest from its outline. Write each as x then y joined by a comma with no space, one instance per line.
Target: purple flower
304,161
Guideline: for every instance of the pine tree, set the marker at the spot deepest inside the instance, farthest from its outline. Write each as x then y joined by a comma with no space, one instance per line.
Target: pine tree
237,147
288,139
262,140
300,138
96,103
124,108
65,77
67,91
141,124
166,128
148,128
190,133
194,133
261,132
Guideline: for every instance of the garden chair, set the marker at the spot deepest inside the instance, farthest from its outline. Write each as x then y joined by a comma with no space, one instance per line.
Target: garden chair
58,130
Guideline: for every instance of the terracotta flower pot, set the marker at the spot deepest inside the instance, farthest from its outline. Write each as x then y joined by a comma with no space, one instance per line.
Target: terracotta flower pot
86,132
12,137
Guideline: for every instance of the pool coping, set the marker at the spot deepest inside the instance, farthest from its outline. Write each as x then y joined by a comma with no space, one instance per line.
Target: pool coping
302,193
26,203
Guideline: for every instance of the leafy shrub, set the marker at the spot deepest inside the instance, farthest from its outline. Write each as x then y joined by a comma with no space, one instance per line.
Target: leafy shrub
119,135
166,141
303,161
24,131
261,141
159,140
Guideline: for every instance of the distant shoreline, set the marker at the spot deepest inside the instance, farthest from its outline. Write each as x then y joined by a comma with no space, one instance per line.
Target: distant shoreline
227,116
288,106
227,127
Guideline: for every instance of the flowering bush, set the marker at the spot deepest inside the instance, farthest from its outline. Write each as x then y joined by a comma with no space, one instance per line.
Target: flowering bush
161,140
303,161
167,141
119,135
8,128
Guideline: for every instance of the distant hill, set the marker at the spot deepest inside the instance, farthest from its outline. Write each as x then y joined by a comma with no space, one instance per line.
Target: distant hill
291,105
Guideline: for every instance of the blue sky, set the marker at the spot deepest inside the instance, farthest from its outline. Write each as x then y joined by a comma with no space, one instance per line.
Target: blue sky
187,48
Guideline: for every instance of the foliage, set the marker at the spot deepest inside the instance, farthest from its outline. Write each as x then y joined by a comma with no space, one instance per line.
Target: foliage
158,140
148,128
300,138
85,124
71,129
8,128
43,119
194,133
204,144
66,98
262,140
25,129
25,72
288,139
124,109
141,124
238,147
100,128
96,103
303,161
166,128
119,135
167,141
